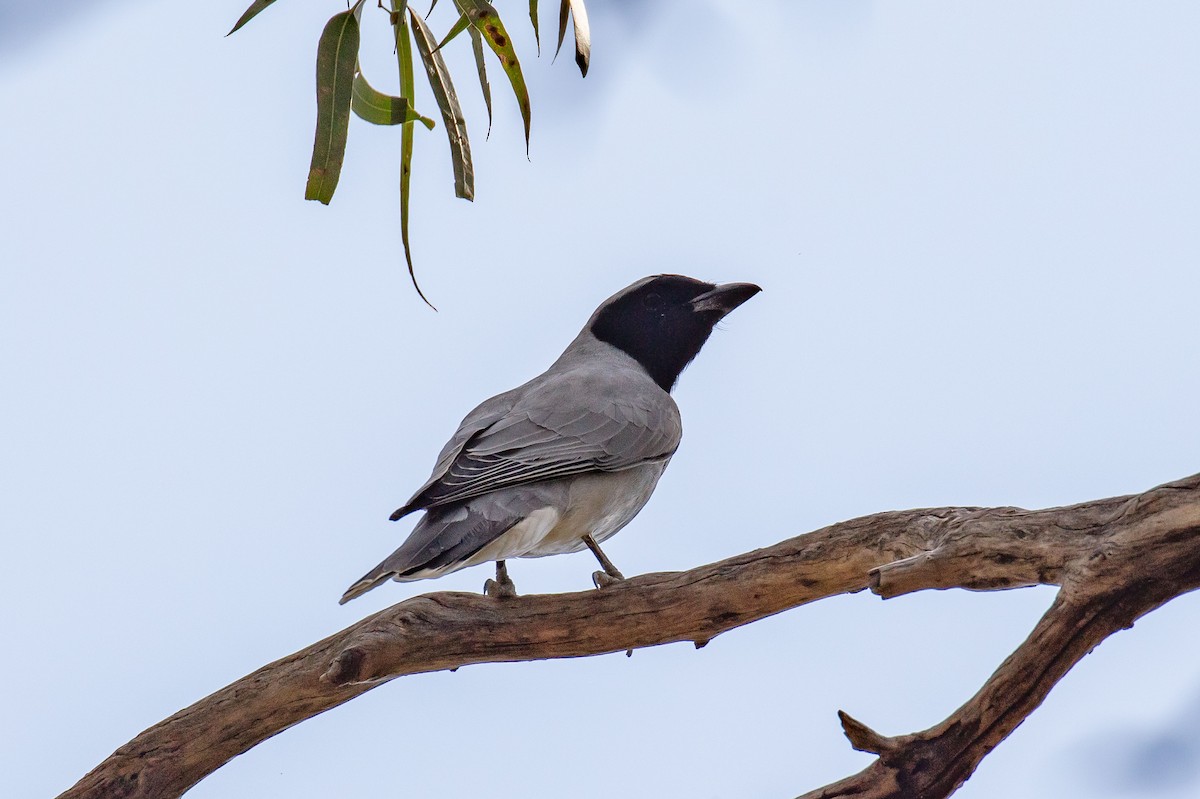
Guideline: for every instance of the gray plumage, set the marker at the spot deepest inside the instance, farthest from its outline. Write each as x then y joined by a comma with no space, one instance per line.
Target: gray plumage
575,452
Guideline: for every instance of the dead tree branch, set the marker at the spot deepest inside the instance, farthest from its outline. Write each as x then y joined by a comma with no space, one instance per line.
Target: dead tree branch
1115,560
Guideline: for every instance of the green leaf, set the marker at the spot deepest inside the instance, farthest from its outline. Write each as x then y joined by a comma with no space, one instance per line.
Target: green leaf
477,48
583,32
337,53
564,11
249,14
460,26
487,22
407,90
447,100
534,19
382,109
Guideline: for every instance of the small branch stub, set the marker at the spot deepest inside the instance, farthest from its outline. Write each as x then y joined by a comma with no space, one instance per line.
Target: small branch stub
863,738
346,667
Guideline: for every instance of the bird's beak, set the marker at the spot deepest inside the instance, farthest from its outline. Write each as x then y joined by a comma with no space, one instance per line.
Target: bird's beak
724,298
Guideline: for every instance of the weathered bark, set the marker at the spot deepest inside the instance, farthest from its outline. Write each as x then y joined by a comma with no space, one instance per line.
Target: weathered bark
1115,560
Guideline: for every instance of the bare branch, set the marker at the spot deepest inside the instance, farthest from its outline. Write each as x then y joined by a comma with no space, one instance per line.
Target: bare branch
1116,559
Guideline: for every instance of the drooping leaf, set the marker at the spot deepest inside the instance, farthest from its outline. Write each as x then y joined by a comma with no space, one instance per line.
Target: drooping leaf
583,32
337,52
382,109
481,68
564,11
407,91
487,21
249,14
533,17
583,36
447,100
460,26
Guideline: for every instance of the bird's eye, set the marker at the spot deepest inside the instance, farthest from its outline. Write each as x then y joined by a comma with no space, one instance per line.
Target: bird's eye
652,301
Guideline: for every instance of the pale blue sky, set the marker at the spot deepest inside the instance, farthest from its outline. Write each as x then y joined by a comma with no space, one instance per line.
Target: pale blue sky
975,224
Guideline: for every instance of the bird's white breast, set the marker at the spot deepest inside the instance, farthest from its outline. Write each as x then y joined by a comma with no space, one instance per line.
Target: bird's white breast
525,536
598,503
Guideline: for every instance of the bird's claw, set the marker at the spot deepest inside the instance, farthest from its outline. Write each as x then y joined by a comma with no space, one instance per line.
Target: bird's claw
604,579
502,587
611,573
498,590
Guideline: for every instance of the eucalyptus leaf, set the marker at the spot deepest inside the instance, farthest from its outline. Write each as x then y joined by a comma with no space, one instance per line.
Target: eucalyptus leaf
487,21
460,26
533,17
382,109
447,100
407,91
481,68
337,53
583,32
249,14
564,16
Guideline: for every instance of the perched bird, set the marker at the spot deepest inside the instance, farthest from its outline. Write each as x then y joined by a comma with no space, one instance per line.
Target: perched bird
568,459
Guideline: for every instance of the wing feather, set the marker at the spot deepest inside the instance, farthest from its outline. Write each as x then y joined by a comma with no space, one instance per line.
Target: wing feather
562,425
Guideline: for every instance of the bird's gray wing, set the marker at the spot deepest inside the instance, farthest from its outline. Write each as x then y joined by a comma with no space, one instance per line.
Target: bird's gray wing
572,422
483,416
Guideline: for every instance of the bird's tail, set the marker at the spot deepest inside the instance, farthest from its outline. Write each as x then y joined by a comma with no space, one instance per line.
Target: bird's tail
399,565
379,574
440,543
412,561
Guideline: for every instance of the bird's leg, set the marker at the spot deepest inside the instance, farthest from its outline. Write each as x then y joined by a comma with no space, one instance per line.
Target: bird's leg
502,587
610,574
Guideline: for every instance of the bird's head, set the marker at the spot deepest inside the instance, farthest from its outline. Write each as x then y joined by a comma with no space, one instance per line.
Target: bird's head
664,320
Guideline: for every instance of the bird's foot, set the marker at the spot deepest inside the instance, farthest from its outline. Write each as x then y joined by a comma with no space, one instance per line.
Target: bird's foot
498,590
605,579
502,587
611,574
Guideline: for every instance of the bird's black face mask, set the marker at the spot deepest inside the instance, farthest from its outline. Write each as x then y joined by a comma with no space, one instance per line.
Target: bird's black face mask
663,322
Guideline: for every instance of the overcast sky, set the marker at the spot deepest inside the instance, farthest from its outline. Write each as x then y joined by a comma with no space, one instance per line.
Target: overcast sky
975,227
